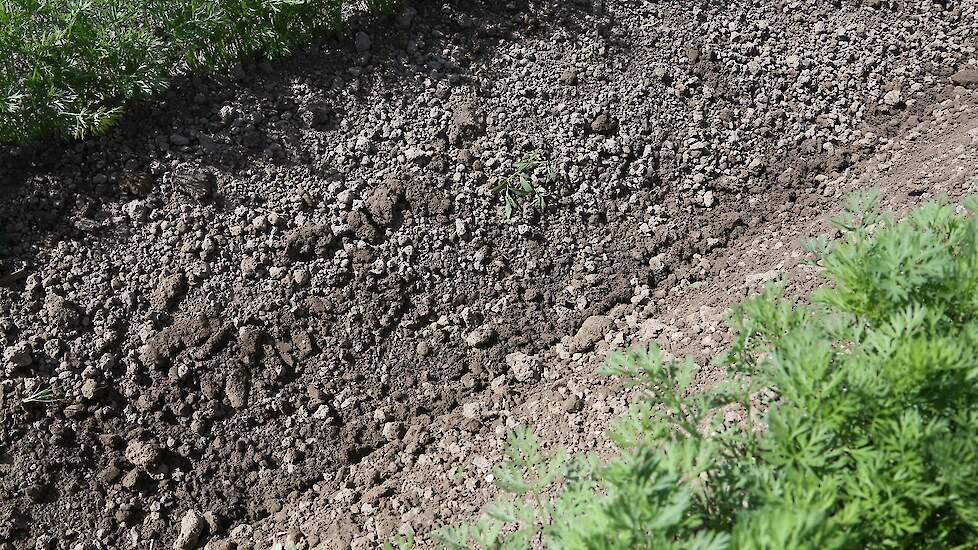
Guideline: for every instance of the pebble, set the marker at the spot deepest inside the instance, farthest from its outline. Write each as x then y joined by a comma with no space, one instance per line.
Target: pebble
593,329
18,355
192,527
143,454
362,41
480,337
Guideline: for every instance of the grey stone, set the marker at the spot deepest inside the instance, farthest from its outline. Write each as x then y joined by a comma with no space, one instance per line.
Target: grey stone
192,528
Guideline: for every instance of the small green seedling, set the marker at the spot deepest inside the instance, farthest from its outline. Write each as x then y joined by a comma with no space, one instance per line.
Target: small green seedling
44,395
457,473
519,190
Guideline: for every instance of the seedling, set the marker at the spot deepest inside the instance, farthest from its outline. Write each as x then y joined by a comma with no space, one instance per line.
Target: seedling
520,191
43,395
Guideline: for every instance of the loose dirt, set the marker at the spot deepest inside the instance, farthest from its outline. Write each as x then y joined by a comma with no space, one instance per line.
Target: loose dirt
288,304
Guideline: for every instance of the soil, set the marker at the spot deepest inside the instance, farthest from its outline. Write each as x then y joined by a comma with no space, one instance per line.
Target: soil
287,304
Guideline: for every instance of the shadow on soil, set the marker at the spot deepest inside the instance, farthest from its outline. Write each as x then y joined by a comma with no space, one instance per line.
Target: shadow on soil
55,191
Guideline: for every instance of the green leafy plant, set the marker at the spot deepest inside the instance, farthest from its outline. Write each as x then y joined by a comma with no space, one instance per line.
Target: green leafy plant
853,417
403,542
69,67
519,190
384,7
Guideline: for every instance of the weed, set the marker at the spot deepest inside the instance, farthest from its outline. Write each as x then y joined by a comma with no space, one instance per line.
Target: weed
519,190
43,395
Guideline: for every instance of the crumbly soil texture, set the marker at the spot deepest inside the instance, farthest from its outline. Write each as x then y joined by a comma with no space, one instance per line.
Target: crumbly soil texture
245,313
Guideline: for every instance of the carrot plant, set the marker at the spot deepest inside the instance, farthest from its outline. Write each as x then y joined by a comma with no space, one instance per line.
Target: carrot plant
866,436
69,67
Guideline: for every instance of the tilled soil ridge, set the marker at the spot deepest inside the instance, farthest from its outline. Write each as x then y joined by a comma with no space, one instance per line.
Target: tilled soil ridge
260,293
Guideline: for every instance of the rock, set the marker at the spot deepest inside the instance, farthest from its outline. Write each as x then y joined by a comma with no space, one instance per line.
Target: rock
893,98
250,340
573,403
192,527
568,77
168,292
472,410
392,431
523,367
604,124
36,492
18,355
308,242
62,313
143,454
708,199
381,205
249,266
132,479
88,389
322,115
197,183
480,337
467,123
136,183
179,140
110,474
136,211
593,329
236,387
966,77
649,329
406,16
362,41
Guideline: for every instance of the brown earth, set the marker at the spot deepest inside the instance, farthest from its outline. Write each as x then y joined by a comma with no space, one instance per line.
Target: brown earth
287,304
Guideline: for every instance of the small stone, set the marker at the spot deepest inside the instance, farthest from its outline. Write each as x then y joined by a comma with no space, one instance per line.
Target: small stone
392,431
893,98
18,355
88,389
573,403
143,454
708,199
192,527
592,330
362,41
480,337
168,292
965,77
